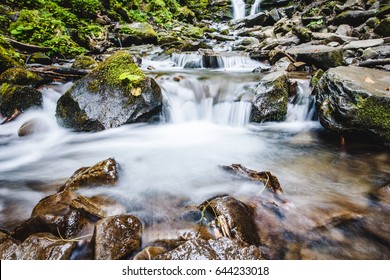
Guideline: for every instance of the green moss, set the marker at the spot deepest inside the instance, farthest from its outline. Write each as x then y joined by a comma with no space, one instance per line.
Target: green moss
84,62
117,65
64,45
375,114
8,56
20,76
194,31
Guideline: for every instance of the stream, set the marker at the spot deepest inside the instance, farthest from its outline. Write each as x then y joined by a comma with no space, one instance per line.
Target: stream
168,166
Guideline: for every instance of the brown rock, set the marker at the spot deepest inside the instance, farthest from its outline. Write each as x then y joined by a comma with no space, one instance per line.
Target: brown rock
8,249
102,173
116,237
149,253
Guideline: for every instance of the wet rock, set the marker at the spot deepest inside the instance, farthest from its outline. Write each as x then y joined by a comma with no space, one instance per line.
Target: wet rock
116,237
193,64
354,18
383,28
115,93
234,219
321,56
84,62
45,246
20,76
8,249
33,126
269,180
138,33
220,37
354,100
40,58
383,193
15,97
220,249
271,98
104,172
363,44
150,253
262,19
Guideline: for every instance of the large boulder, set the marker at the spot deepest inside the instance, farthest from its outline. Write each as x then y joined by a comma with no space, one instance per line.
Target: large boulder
16,97
355,100
138,33
354,17
271,98
115,93
220,249
116,237
321,56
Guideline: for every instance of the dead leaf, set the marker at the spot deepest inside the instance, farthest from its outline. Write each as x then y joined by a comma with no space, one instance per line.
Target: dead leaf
388,88
369,80
136,91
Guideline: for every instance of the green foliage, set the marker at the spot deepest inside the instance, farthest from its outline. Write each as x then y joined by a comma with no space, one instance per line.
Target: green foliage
85,8
64,45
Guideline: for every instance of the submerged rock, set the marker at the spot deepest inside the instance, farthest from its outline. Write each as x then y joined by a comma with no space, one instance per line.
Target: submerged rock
115,93
355,100
33,126
271,98
116,237
220,249
15,97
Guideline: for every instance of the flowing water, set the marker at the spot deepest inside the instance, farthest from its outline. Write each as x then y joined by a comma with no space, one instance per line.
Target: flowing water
169,166
255,7
238,9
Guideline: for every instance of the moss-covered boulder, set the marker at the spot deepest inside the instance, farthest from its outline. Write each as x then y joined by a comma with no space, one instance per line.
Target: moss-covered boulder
21,76
8,57
138,33
354,17
383,28
84,62
40,58
271,98
116,92
18,97
321,56
354,101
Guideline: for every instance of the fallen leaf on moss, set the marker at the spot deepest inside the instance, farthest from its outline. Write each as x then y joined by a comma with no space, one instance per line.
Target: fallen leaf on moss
136,91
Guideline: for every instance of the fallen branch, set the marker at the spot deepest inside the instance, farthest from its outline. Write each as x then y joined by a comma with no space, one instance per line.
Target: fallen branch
59,73
27,47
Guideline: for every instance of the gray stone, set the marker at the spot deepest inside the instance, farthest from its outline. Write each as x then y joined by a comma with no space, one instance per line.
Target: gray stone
363,44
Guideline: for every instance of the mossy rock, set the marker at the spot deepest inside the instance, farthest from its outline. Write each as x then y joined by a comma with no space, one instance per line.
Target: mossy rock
138,33
116,92
40,58
84,62
354,101
21,76
8,56
271,98
18,97
383,28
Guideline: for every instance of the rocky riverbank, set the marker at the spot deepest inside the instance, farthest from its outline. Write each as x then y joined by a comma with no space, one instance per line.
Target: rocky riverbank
343,48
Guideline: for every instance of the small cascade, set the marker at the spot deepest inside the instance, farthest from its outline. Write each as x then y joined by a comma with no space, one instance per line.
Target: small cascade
207,99
255,7
238,9
302,107
222,60
181,59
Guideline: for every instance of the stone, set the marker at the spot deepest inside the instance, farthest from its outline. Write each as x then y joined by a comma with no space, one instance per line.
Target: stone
45,246
15,97
354,100
33,126
344,30
233,218
103,173
369,53
8,249
271,98
219,249
363,44
138,33
383,28
262,19
8,56
39,58
84,62
21,76
150,253
354,17
115,93
321,56
116,237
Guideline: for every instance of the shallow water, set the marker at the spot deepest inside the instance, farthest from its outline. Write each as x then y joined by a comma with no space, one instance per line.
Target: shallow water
169,166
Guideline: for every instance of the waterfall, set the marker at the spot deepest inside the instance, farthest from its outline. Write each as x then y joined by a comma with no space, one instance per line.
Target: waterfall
255,7
302,107
210,99
181,59
238,9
